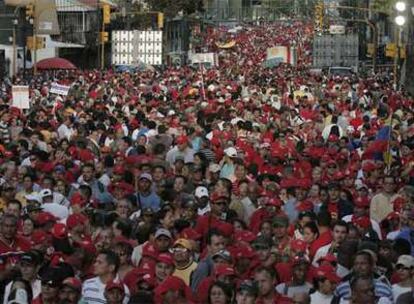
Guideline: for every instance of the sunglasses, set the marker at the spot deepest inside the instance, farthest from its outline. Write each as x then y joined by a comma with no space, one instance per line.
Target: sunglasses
402,267
178,250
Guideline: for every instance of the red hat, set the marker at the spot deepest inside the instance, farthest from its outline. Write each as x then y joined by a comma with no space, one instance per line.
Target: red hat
118,170
224,270
190,233
123,240
244,236
170,283
369,166
77,199
87,245
393,216
274,201
45,217
76,219
299,259
362,202
338,175
165,258
226,229
73,283
333,138
149,251
362,221
328,258
59,231
244,252
115,285
181,140
298,245
86,155
328,272
39,237
305,206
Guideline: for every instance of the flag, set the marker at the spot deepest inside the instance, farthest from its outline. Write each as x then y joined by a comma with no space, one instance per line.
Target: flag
380,144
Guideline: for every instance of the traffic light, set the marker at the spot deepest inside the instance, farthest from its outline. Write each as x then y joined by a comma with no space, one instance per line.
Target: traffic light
29,11
319,15
40,43
160,20
106,13
29,43
103,37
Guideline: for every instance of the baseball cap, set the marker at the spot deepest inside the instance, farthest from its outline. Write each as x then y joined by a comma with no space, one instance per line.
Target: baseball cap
164,232
73,283
31,257
165,258
183,243
114,285
223,254
299,260
51,277
45,193
214,168
34,197
405,260
225,270
328,272
201,191
182,140
249,286
230,152
146,176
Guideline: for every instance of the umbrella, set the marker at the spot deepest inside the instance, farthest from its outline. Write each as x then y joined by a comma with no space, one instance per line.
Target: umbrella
55,64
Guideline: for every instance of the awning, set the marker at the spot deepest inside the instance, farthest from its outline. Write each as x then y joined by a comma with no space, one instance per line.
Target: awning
55,64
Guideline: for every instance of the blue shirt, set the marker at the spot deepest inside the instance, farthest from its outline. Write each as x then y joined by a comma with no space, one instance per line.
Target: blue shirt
408,235
152,201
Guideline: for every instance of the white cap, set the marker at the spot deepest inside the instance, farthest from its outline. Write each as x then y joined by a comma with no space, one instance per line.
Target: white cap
45,193
214,168
33,197
200,192
231,152
406,260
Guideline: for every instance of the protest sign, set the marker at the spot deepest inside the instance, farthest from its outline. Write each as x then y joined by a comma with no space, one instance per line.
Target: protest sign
21,98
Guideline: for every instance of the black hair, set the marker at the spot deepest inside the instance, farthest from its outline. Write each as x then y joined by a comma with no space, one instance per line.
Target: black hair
111,258
324,219
213,232
313,227
227,289
343,224
125,226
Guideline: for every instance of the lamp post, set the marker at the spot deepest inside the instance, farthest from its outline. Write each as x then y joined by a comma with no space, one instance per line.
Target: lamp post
399,20
15,21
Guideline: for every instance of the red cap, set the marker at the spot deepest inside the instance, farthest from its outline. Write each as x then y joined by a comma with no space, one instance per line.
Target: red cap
118,170
165,258
113,285
362,202
393,216
224,270
274,201
123,240
77,199
330,258
182,140
190,233
244,236
39,237
369,166
244,252
297,260
45,217
298,245
333,138
170,283
149,251
328,272
73,282
59,231
76,219
226,229
362,221
86,155
305,206
88,245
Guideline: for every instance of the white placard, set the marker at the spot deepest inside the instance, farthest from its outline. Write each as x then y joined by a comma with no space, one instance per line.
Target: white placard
59,89
21,98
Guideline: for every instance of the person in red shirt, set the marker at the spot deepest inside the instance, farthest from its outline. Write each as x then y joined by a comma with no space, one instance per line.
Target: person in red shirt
11,244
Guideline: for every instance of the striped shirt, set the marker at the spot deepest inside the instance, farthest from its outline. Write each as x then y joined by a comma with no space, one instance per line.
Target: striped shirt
343,290
93,291
5,134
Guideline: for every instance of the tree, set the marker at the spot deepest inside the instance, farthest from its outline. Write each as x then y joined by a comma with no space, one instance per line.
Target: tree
172,7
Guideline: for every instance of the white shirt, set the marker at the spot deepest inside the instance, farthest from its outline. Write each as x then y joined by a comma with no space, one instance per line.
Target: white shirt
320,298
65,132
187,154
93,291
320,253
397,290
57,210
36,290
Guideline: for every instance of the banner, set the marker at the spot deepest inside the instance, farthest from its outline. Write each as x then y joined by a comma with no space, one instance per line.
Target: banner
46,17
227,45
59,89
203,58
280,54
21,98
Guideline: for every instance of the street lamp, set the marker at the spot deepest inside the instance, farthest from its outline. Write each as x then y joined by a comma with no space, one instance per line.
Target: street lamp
399,21
400,6
15,22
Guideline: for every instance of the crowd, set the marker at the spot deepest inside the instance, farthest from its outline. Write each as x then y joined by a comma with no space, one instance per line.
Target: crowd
234,184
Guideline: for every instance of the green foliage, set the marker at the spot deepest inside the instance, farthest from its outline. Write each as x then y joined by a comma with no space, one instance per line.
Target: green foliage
172,7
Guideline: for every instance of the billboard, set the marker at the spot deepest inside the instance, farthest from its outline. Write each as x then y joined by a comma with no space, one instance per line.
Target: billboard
137,47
